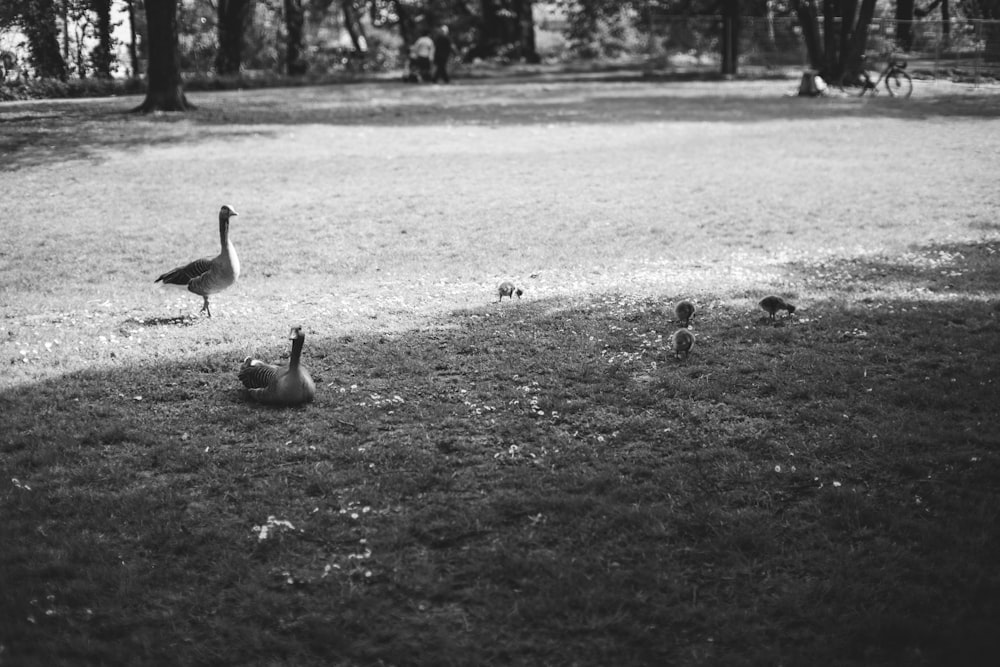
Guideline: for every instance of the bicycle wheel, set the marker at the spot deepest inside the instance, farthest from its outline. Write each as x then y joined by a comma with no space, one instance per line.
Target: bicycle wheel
899,84
866,84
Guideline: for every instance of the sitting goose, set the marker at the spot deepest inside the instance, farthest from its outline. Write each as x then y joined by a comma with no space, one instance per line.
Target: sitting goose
208,276
682,341
772,304
279,385
508,290
684,312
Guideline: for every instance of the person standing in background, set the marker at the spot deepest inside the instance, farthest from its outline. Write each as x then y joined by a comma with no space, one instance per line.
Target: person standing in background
442,52
421,54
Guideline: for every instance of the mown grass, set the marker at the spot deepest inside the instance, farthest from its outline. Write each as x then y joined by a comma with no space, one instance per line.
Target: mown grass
534,482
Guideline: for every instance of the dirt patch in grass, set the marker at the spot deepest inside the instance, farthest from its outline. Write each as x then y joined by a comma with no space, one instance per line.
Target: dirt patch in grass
534,482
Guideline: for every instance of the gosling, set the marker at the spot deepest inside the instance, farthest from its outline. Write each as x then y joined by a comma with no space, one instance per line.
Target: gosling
684,312
682,341
508,290
772,304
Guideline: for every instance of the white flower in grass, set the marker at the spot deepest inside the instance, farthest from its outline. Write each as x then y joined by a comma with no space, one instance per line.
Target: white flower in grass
272,527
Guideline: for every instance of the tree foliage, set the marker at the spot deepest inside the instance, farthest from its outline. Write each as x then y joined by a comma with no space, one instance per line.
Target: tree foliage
37,19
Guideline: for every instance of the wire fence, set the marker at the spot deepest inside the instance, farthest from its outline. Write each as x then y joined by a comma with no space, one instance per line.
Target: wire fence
961,50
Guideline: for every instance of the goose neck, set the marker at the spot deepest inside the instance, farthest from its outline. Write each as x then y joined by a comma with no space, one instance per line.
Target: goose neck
297,343
223,231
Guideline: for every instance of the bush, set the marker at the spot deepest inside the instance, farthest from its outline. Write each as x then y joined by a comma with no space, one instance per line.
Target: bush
35,89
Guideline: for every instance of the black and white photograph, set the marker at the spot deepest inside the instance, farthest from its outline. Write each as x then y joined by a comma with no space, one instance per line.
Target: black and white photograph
489,333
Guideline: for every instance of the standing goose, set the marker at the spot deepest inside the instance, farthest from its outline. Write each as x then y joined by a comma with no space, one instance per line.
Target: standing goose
279,385
772,304
684,312
508,290
682,341
208,276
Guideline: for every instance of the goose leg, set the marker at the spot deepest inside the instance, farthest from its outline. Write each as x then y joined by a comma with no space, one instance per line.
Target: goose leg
205,308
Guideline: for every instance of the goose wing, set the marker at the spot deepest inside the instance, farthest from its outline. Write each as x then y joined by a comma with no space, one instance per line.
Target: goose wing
183,275
256,374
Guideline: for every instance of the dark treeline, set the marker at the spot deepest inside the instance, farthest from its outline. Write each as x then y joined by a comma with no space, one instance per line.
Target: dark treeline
84,38
160,39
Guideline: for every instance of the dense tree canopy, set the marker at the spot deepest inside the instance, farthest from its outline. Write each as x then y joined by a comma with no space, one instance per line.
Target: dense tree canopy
37,18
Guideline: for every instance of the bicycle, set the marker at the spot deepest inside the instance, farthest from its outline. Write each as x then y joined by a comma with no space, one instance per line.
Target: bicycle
895,78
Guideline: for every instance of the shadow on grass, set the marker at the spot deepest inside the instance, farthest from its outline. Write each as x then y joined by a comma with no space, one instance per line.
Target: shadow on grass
43,132
177,320
83,132
944,272
524,474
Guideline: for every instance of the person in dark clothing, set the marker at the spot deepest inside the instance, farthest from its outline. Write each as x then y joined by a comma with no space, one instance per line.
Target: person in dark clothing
442,52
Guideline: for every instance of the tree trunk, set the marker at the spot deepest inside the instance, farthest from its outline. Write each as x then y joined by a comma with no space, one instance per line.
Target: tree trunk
133,51
526,22
991,31
81,60
234,18
500,25
64,8
102,56
806,13
407,27
904,27
39,19
486,42
850,61
848,8
831,11
853,37
295,18
730,37
354,27
992,35
164,88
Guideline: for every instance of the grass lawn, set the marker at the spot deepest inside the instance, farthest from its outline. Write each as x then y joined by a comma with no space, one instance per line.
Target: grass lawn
533,482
